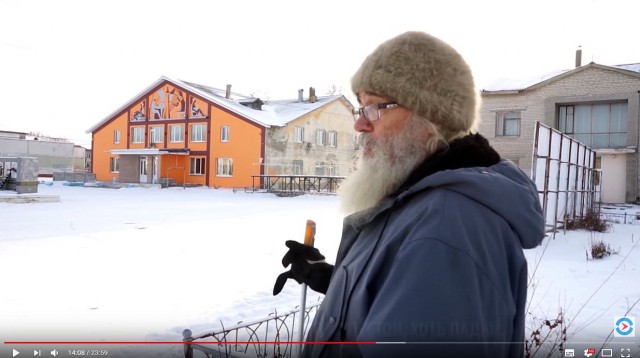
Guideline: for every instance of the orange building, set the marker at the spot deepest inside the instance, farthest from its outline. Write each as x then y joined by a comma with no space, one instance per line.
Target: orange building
184,133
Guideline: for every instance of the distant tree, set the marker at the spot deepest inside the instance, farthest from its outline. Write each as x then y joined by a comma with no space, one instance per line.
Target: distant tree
263,95
334,90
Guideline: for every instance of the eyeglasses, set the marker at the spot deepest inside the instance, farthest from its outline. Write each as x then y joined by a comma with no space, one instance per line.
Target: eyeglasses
372,112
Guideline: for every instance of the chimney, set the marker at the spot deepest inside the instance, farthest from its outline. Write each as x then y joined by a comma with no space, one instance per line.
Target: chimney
300,95
579,57
312,95
227,94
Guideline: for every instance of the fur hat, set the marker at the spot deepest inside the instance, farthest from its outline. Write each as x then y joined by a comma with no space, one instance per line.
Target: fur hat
426,75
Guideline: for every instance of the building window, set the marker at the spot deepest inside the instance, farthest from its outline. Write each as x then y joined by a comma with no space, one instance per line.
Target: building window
116,136
320,137
508,123
331,168
137,135
114,166
224,133
176,133
332,139
298,135
598,170
197,166
225,167
198,133
298,166
602,125
157,134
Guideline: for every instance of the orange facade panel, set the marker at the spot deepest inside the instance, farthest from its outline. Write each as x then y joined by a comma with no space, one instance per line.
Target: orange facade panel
236,149
113,135
175,168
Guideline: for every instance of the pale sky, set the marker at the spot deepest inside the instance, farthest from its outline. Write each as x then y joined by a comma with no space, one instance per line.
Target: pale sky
65,65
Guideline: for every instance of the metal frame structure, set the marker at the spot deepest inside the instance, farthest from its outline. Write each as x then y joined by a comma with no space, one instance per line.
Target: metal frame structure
565,174
297,183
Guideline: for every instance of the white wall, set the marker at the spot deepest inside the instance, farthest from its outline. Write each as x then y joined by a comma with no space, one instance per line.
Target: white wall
52,156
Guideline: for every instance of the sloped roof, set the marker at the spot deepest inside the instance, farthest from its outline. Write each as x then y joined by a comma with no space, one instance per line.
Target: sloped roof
511,85
220,93
274,113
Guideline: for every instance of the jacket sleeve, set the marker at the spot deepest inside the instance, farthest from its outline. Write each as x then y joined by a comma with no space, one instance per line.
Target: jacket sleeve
437,301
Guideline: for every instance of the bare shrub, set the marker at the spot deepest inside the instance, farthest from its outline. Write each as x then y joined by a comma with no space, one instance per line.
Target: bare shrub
591,222
549,336
599,249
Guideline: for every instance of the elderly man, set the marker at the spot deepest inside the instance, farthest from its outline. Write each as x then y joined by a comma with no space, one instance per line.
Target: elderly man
431,258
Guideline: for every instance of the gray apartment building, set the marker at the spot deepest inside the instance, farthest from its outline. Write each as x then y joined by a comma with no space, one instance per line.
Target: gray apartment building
595,104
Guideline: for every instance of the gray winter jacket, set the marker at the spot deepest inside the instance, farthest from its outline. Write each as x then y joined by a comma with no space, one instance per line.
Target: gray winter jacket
435,271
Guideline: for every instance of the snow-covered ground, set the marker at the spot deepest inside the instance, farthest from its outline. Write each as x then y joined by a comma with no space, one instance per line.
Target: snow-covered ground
140,264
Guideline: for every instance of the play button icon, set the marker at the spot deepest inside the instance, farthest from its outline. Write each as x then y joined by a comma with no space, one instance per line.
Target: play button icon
624,326
15,352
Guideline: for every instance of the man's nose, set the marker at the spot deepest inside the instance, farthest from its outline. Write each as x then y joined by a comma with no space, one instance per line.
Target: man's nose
362,125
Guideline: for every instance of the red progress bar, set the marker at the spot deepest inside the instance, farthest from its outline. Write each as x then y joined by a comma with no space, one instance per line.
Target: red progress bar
178,342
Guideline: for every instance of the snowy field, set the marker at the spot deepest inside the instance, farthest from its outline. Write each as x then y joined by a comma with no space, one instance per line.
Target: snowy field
138,264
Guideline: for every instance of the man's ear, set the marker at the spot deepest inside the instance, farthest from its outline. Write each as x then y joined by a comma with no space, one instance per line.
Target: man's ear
430,131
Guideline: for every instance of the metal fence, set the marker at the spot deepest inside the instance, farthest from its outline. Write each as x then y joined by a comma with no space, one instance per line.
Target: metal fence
270,337
624,218
79,177
620,213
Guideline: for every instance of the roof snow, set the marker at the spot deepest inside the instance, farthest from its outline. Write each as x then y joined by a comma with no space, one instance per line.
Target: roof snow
273,113
521,83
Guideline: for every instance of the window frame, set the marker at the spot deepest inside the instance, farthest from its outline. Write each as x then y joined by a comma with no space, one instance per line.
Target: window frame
502,123
180,132
140,132
298,134
156,134
114,165
297,166
224,134
116,136
193,133
584,122
197,166
224,167
332,139
320,137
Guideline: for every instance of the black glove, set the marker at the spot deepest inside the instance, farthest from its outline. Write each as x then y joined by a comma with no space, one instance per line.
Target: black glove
307,266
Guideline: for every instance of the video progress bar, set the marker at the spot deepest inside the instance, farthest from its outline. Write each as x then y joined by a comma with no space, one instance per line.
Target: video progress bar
284,343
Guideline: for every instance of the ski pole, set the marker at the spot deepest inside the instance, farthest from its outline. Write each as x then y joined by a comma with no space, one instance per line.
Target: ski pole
309,240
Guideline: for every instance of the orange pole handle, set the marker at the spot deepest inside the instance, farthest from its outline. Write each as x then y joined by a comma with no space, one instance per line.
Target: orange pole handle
310,233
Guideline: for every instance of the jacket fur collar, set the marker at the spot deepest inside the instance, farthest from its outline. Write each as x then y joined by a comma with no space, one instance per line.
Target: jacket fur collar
470,151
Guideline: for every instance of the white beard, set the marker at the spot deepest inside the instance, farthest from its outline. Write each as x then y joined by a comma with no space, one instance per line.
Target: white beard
392,159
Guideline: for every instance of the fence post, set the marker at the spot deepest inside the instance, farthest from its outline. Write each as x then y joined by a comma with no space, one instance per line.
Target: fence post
187,338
